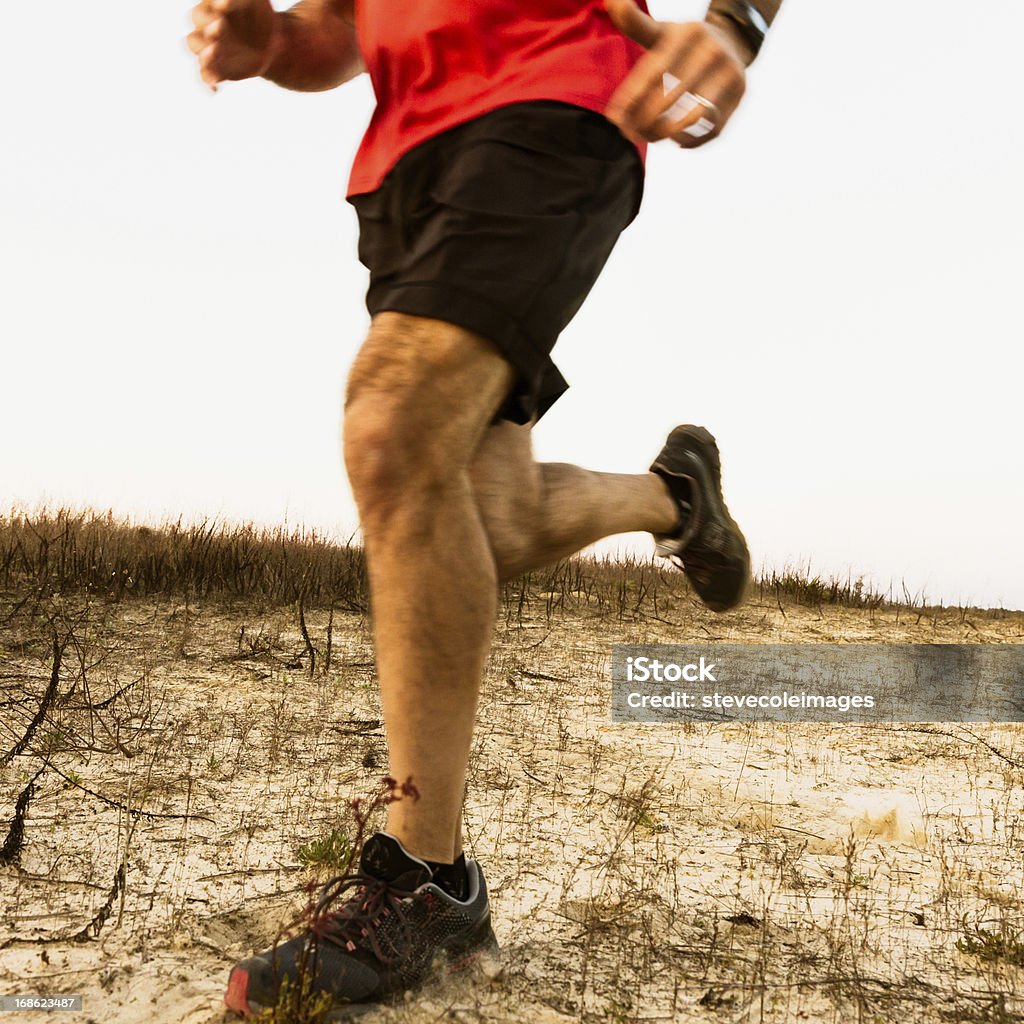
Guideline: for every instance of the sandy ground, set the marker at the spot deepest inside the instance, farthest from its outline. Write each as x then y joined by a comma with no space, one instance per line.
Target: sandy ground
638,873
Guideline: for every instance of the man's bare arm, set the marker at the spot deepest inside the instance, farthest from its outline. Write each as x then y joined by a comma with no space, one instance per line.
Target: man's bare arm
310,47
317,48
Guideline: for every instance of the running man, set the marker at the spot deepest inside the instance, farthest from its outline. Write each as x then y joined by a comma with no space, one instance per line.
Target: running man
502,161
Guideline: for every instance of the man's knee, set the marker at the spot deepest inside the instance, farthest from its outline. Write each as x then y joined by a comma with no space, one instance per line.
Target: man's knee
393,450
419,394
378,452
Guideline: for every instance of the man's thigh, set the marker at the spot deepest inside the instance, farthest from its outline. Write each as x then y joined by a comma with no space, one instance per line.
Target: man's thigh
508,489
503,470
431,381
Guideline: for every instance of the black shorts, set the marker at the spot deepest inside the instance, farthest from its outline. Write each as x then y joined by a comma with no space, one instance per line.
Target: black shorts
502,225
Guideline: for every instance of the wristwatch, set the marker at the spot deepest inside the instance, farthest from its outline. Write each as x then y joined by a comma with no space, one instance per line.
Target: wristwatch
747,18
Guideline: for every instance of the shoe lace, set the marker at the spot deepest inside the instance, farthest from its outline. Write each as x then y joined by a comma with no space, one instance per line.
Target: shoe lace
357,921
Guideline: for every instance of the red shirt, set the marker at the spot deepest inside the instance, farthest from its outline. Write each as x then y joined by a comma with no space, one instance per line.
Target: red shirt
437,63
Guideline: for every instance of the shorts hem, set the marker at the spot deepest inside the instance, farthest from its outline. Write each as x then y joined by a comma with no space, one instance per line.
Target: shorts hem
475,313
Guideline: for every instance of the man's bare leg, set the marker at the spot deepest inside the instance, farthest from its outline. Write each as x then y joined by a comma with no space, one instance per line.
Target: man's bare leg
536,513
420,397
424,465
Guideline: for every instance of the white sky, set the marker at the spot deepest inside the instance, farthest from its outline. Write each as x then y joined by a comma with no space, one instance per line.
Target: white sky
833,288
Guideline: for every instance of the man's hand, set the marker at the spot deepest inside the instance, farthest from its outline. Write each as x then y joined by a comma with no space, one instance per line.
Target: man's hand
233,39
685,87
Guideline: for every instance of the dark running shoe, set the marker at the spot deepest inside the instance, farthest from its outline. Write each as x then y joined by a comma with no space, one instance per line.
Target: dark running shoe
374,935
707,544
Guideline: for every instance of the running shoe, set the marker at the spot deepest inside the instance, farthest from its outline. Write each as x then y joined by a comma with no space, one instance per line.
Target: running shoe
372,936
707,544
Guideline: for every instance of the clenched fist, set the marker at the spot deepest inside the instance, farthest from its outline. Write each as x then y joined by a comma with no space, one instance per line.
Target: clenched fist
685,87
233,39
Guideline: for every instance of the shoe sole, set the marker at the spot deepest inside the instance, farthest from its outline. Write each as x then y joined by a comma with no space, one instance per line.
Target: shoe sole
236,998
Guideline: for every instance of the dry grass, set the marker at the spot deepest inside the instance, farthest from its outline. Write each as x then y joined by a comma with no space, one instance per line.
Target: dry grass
186,715
75,552
68,552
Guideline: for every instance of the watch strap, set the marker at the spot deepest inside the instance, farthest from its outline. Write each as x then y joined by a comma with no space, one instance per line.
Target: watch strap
752,24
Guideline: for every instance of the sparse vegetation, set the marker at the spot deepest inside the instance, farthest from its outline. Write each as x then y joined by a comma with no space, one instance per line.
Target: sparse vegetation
67,552
186,714
332,851
1005,943
297,1004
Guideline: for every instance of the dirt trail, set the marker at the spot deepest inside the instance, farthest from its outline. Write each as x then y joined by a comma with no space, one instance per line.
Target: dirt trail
638,873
